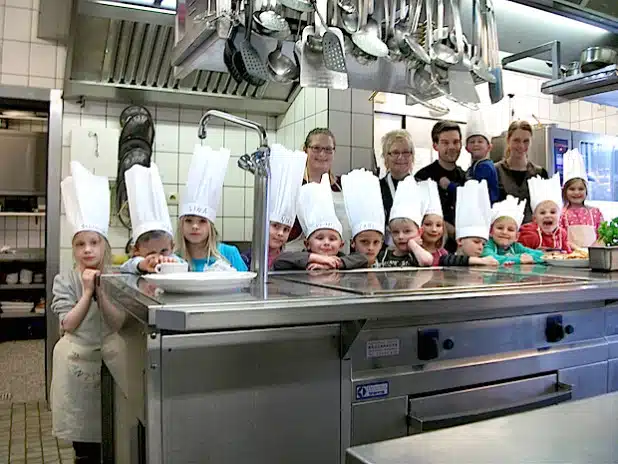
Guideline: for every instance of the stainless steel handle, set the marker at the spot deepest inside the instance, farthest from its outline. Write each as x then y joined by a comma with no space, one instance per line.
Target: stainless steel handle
564,392
442,110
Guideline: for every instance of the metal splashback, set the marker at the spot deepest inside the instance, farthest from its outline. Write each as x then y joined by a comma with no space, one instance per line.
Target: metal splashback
427,281
121,52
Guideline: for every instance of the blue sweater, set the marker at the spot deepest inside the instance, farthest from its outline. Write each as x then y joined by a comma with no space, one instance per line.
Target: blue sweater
485,169
229,252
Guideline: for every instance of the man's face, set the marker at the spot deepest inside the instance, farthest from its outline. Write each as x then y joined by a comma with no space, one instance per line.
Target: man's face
448,146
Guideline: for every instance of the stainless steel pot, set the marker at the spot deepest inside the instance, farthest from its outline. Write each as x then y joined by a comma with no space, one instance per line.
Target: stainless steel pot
572,69
593,58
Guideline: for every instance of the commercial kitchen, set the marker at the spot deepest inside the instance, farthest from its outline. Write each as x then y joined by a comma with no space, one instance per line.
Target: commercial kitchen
366,366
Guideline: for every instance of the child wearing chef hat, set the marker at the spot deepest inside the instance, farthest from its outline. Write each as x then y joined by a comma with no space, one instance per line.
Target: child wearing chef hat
198,240
579,220
506,218
363,204
433,237
472,218
316,213
405,228
153,237
478,144
545,231
287,169
76,399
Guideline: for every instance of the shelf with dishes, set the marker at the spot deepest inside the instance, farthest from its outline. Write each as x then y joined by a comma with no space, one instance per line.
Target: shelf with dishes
33,286
23,255
15,309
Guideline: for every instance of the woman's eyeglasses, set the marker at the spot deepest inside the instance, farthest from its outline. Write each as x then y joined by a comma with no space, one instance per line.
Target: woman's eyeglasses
316,150
402,154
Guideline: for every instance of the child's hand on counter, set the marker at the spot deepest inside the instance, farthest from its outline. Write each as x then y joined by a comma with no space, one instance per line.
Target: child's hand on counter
526,259
149,263
329,262
485,261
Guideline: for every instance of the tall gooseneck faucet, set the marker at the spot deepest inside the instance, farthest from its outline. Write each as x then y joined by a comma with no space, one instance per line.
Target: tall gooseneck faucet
259,165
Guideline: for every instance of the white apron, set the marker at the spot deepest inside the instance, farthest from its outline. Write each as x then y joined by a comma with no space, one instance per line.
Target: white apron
388,238
75,393
579,235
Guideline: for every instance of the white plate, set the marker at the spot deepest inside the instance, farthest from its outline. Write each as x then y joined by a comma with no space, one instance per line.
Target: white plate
568,262
200,282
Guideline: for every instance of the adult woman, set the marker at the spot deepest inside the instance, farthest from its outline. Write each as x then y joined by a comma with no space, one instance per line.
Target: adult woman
398,154
320,148
515,169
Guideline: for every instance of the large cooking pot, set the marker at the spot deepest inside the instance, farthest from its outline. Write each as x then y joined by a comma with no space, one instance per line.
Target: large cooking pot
593,58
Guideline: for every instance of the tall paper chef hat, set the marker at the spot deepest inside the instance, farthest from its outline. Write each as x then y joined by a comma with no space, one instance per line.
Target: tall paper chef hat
476,126
510,207
316,209
286,177
408,202
363,201
473,210
202,192
573,166
147,201
86,200
431,197
545,190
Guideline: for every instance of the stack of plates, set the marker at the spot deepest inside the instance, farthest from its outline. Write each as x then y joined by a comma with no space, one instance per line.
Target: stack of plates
9,307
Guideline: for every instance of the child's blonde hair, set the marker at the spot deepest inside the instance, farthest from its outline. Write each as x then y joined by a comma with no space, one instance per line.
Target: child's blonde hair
403,221
210,246
106,260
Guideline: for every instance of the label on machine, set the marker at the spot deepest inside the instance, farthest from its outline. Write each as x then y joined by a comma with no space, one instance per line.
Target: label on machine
371,390
381,348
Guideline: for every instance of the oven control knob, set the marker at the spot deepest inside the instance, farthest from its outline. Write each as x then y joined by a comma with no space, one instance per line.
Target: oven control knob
569,329
554,331
448,344
428,347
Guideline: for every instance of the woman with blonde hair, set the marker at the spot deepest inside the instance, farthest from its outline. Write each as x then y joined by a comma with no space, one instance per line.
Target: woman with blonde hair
398,155
515,169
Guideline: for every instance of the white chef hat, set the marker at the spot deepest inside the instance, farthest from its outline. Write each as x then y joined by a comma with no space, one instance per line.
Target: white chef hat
86,200
147,201
573,166
408,202
431,197
545,190
476,126
511,207
286,177
473,210
316,209
363,201
202,192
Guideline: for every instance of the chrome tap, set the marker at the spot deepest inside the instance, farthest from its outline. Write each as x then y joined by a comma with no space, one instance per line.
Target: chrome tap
259,165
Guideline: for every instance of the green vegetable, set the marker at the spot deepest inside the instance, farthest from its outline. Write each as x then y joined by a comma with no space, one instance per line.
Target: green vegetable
608,232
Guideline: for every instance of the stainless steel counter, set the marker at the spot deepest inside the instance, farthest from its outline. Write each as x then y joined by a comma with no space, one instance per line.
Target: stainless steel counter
431,295
580,432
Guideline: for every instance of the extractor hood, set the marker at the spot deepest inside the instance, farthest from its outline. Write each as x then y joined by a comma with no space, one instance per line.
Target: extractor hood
600,86
119,51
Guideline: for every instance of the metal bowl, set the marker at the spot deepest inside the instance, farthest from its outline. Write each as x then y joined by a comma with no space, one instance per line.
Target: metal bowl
593,58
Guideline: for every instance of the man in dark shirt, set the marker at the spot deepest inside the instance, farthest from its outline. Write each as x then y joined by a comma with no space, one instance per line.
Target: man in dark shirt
446,138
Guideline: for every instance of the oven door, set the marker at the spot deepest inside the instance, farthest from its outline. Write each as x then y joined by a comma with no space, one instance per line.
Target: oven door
441,410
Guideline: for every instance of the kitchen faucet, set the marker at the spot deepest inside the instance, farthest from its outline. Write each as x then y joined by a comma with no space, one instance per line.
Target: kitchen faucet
258,164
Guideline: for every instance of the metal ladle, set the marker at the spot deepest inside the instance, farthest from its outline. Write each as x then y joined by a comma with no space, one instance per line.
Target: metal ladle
407,43
368,37
283,68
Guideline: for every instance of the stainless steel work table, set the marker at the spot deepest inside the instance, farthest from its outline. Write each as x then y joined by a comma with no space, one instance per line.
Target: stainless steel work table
579,432
431,295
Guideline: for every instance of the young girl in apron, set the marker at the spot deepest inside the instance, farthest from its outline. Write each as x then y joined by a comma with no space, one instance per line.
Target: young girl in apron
198,240
75,395
580,221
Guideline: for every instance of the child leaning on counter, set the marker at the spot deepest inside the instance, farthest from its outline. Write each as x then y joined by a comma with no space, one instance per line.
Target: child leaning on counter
502,245
153,238
287,169
363,205
316,213
198,240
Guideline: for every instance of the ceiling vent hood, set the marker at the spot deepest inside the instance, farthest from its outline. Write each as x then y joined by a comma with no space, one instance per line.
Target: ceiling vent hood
123,52
600,86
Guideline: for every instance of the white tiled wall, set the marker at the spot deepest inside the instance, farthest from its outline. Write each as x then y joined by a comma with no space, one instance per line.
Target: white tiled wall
26,60
22,232
350,117
176,135
308,111
589,117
